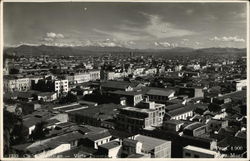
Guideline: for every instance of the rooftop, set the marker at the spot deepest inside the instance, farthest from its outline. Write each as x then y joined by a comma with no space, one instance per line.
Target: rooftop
149,143
142,110
126,93
198,149
181,110
110,145
194,125
160,92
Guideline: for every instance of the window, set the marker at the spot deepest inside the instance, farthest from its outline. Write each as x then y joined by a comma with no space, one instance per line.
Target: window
187,154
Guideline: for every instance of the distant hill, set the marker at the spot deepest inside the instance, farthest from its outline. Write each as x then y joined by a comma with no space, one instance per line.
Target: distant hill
97,50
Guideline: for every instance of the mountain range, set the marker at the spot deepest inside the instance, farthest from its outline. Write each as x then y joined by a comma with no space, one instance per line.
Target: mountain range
97,50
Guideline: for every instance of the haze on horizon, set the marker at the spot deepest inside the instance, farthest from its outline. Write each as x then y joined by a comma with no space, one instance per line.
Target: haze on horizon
131,25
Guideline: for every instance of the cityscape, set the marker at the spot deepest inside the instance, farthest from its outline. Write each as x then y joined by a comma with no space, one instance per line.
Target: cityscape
155,91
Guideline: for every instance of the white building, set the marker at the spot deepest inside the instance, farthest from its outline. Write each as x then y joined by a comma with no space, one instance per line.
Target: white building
240,84
16,84
197,152
61,86
81,77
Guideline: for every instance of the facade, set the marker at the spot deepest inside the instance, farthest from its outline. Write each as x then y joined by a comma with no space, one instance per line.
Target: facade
135,119
81,77
240,84
191,92
181,113
155,106
94,75
172,125
132,98
61,86
160,95
47,96
216,124
156,147
130,146
195,129
111,149
16,84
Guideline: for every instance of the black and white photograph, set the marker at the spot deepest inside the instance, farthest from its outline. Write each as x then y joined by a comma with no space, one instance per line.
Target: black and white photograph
110,79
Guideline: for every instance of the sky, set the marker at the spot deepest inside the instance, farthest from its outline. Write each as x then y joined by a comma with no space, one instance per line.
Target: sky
131,25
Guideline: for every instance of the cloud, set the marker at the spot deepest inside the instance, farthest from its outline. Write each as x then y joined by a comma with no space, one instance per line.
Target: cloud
155,28
165,44
159,29
227,39
54,35
108,43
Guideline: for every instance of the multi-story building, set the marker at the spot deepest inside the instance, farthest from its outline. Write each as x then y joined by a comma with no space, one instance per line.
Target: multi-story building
191,92
81,77
132,98
94,75
107,75
135,119
157,148
152,105
12,84
61,86
160,95
181,113
240,84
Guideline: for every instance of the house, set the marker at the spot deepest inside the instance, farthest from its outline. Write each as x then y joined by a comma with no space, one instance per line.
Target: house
180,113
136,119
16,83
132,98
112,149
130,147
95,140
152,105
50,146
94,115
216,124
158,148
240,84
46,96
160,95
191,92
195,129
116,85
172,125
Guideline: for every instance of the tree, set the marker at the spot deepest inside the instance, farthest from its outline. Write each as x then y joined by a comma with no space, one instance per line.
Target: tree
68,99
14,71
213,107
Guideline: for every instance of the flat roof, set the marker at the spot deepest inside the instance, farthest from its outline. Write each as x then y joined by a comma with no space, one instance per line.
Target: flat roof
126,93
110,145
149,143
160,92
201,150
142,110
